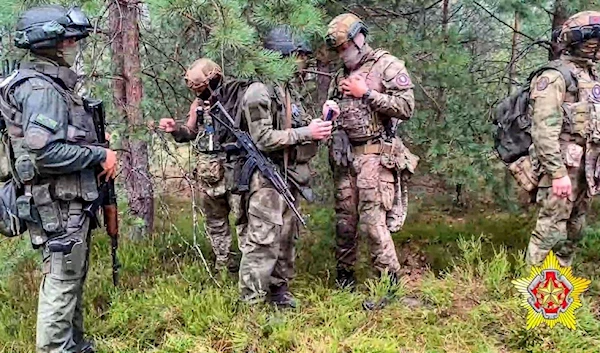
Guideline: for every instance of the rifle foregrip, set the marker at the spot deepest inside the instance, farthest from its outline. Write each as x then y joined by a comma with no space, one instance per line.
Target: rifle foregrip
111,220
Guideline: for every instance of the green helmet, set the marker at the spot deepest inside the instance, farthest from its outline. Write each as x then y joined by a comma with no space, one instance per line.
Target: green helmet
43,27
281,39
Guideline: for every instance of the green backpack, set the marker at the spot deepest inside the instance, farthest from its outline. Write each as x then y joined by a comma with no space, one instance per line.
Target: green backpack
512,137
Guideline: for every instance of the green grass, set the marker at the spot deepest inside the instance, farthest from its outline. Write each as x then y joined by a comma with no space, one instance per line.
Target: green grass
167,302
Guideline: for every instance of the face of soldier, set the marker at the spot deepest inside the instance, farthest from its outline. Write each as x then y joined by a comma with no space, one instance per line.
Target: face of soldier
67,52
301,61
350,53
590,49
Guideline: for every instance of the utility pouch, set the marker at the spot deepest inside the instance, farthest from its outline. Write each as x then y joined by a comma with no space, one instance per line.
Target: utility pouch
48,209
390,154
523,172
88,185
305,152
66,187
5,155
25,168
26,209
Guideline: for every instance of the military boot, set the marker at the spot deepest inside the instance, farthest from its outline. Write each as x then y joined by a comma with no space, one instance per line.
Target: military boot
345,279
85,347
391,294
281,297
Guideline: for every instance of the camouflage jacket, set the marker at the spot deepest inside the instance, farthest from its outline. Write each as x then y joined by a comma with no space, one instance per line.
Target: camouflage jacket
52,122
561,117
265,113
391,98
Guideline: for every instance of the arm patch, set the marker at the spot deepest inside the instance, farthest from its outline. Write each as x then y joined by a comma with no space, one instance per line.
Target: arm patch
46,122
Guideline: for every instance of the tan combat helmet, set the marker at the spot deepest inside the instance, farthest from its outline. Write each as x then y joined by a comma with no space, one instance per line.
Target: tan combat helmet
344,28
200,73
580,28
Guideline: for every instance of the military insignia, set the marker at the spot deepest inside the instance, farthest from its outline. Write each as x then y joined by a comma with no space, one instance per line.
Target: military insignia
594,20
403,80
596,91
551,294
542,83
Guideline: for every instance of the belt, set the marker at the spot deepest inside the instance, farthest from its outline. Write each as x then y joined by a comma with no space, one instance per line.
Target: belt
372,148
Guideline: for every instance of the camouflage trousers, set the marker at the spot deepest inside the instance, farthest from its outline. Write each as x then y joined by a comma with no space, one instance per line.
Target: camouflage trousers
60,306
268,253
216,204
365,198
560,221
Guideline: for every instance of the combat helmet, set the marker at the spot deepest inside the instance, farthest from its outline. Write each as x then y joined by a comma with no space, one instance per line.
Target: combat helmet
344,28
282,39
43,27
580,28
201,73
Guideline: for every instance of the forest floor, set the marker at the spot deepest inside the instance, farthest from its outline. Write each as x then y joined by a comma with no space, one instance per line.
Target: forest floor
458,295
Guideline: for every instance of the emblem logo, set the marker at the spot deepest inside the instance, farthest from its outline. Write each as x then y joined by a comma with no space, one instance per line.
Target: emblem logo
542,83
596,91
403,80
551,294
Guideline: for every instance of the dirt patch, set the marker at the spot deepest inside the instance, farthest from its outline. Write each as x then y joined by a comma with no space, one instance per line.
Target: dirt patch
413,264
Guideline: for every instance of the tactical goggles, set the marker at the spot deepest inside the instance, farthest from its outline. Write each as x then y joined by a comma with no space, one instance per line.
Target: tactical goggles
76,17
582,34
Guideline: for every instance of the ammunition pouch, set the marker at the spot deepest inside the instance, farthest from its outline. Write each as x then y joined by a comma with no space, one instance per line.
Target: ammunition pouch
24,167
48,209
396,156
304,152
524,173
210,169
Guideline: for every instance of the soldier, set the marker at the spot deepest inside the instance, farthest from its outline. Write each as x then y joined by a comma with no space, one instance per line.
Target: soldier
205,79
565,134
280,127
53,139
370,165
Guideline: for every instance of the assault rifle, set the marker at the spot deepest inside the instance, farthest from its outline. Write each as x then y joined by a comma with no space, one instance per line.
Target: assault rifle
108,198
255,159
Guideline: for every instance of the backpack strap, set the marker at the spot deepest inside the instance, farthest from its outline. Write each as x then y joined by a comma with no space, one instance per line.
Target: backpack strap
7,87
558,65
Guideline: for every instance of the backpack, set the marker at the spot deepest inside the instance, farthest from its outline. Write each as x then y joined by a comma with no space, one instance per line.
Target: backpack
10,224
512,137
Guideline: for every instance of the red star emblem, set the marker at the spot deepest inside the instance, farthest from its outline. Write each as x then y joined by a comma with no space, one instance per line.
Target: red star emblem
550,293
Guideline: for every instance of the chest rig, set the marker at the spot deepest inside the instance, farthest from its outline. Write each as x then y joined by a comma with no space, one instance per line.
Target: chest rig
582,107
357,118
46,203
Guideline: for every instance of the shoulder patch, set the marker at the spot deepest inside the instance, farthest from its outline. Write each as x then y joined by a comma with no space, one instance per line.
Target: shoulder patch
403,80
596,91
37,138
46,122
542,83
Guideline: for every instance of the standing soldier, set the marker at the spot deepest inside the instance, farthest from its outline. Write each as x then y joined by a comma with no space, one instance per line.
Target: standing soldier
281,129
565,132
370,164
205,79
55,159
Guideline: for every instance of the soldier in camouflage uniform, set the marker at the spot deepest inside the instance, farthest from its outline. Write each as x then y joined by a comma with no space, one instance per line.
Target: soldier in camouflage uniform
280,127
205,78
566,136
370,94
56,156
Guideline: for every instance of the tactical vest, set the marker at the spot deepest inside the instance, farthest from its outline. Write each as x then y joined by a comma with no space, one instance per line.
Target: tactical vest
39,206
581,107
357,118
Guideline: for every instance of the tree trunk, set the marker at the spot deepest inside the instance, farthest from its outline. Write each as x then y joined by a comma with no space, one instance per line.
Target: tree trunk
441,94
127,93
558,19
512,71
323,81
